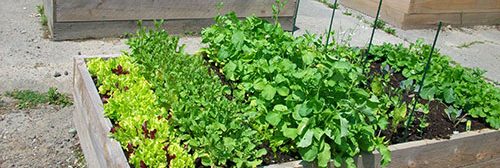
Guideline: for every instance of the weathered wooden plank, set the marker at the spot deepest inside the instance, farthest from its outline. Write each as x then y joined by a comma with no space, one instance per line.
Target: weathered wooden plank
85,30
493,163
93,125
111,149
111,10
80,118
105,152
414,14
392,11
454,6
48,6
413,21
484,18
463,149
80,122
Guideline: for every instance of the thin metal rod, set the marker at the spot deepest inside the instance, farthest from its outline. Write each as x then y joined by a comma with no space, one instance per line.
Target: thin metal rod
421,85
295,16
373,33
331,23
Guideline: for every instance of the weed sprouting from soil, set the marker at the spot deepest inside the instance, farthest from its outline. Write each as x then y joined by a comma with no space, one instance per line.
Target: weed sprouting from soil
30,99
41,11
469,44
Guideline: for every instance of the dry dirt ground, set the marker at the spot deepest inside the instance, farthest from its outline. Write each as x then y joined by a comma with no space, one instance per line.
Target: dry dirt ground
44,136
38,137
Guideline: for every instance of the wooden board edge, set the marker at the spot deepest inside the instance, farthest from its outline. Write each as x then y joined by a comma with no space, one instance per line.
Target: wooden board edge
103,29
372,160
83,133
85,11
112,151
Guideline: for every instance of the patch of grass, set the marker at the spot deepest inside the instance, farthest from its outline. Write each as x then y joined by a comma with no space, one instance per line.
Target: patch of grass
30,99
380,24
329,4
190,33
347,13
469,44
390,30
43,17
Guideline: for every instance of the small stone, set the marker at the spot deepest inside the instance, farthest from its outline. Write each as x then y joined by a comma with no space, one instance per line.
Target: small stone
23,32
57,74
79,53
24,8
72,131
455,132
66,73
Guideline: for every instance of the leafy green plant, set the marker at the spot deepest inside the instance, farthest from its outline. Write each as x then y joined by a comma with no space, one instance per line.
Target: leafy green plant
56,98
256,91
217,128
133,106
455,115
306,100
463,87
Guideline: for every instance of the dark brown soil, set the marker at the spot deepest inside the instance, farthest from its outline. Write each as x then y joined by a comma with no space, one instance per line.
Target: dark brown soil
278,157
439,125
218,71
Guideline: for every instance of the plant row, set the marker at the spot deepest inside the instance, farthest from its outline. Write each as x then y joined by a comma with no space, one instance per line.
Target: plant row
258,95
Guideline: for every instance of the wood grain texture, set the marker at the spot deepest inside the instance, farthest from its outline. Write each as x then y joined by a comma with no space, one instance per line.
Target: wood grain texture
415,14
92,126
483,18
464,149
425,20
112,10
392,11
454,6
101,29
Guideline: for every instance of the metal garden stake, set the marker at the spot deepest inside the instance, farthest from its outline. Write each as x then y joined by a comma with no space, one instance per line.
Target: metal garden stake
295,16
421,85
373,33
331,23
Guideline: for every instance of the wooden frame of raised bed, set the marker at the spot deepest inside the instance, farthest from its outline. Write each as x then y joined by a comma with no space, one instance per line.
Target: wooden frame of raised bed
409,14
469,149
79,19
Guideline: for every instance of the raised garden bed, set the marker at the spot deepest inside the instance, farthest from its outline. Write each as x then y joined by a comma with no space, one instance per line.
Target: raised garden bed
461,150
258,96
410,14
81,19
